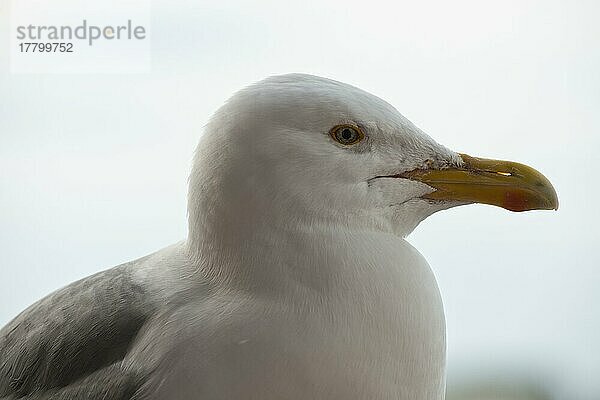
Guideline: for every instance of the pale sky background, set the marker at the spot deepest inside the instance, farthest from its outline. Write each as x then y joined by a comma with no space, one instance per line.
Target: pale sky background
93,168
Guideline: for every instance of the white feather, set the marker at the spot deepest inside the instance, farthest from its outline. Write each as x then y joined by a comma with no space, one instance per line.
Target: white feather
296,281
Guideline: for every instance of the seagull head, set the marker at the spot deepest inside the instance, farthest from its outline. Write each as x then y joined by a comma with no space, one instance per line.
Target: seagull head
301,150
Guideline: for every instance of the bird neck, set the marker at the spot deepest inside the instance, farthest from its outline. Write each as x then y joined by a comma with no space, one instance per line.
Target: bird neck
272,254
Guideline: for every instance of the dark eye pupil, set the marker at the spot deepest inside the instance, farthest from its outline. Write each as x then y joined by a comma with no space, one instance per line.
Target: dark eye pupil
347,134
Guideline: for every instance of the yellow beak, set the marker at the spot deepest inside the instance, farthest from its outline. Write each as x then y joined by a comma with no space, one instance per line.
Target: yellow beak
510,185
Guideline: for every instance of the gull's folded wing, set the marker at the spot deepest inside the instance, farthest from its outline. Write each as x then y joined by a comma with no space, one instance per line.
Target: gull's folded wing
70,344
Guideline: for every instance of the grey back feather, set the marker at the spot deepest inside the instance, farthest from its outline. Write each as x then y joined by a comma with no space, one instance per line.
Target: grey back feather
69,345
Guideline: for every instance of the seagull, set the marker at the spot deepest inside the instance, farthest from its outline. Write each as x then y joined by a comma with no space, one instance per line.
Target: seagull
295,282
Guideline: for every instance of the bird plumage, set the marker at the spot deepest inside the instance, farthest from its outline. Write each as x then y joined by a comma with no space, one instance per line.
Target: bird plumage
295,280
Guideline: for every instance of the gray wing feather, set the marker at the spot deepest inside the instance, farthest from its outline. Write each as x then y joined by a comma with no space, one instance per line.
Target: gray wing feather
69,345
108,383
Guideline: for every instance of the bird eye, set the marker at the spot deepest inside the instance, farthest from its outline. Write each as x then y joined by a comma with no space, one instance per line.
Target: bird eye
347,134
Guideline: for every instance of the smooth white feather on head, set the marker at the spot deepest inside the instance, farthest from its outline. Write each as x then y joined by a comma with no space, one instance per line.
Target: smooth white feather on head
266,157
